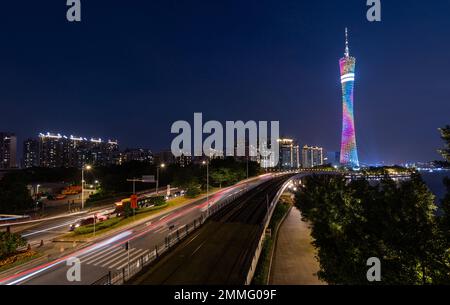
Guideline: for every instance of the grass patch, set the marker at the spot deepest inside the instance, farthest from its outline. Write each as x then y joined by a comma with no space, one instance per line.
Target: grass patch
18,259
117,222
98,226
262,268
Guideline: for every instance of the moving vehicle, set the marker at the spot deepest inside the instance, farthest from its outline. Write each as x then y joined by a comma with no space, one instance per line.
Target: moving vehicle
144,201
88,221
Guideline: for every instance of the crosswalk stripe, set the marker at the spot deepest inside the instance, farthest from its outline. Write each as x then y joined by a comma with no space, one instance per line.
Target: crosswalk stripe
132,256
109,259
121,256
100,254
88,254
131,259
106,257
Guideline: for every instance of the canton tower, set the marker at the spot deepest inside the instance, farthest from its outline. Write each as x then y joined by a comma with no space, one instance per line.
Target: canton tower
349,152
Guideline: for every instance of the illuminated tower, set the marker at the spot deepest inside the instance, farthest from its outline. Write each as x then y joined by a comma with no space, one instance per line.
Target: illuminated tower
349,152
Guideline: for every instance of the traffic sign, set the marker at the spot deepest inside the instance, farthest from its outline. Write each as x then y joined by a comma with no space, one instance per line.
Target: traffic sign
148,178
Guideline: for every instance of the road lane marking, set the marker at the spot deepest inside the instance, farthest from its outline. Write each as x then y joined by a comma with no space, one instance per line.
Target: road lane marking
132,255
165,216
47,229
109,259
105,255
136,255
91,258
116,258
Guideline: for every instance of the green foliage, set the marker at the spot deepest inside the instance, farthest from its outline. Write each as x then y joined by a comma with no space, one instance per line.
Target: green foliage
14,195
154,208
192,191
157,200
353,221
262,268
102,195
445,203
9,243
221,175
98,226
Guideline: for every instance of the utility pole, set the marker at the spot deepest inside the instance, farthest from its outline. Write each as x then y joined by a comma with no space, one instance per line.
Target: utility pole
207,178
157,177
247,167
88,167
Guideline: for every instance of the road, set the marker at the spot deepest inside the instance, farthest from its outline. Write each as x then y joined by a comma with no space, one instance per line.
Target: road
49,228
220,252
108,254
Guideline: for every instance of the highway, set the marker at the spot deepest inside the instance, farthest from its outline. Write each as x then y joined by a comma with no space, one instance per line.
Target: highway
220,252
49,228
109,254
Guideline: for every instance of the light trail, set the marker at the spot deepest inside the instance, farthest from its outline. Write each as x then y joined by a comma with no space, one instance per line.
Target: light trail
27,274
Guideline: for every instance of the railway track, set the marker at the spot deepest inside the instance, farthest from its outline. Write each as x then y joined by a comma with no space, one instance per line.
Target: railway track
220,252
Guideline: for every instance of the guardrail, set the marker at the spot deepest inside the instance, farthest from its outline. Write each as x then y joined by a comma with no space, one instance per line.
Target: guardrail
259,247
137,265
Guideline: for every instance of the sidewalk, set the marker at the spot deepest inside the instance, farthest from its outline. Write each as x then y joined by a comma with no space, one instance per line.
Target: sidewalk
294,261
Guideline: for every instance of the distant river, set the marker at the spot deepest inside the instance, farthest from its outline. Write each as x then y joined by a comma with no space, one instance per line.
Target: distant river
434,181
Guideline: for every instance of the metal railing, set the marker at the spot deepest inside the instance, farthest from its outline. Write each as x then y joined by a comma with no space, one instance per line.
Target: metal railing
119,277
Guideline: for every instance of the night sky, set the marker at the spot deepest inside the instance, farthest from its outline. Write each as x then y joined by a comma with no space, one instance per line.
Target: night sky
132,68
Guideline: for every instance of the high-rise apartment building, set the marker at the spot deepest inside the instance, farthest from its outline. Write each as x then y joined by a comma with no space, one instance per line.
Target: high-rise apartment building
8,150
312,156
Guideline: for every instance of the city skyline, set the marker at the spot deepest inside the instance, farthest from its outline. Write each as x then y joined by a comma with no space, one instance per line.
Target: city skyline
255,69
266,144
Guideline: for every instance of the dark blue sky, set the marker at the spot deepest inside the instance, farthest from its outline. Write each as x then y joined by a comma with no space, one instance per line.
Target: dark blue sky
131,68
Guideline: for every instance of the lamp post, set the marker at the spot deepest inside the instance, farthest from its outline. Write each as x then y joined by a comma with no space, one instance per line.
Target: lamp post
207,179
157,177
88,167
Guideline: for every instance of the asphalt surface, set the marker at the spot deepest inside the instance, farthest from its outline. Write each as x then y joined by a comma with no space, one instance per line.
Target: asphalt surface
50,228
109,254
294,261
219,252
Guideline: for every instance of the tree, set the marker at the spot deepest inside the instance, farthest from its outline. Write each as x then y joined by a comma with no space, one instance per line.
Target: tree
355,220
221,175
9,243
14,195
445,135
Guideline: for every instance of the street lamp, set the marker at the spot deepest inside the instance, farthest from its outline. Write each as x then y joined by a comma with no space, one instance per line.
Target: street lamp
207,179
87,167
157,177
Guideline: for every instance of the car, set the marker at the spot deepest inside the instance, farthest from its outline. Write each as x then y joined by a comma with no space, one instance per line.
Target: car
88,221
82,222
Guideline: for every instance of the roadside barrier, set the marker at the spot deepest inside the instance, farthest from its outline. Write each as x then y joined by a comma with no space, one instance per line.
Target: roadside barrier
136,265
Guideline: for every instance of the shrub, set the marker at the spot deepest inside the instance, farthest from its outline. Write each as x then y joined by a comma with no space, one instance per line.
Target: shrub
9,243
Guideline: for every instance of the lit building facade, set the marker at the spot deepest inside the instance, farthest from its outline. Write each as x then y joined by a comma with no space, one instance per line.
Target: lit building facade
349,152
56,150
137,154
289,154
30,153
8,150
312,156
